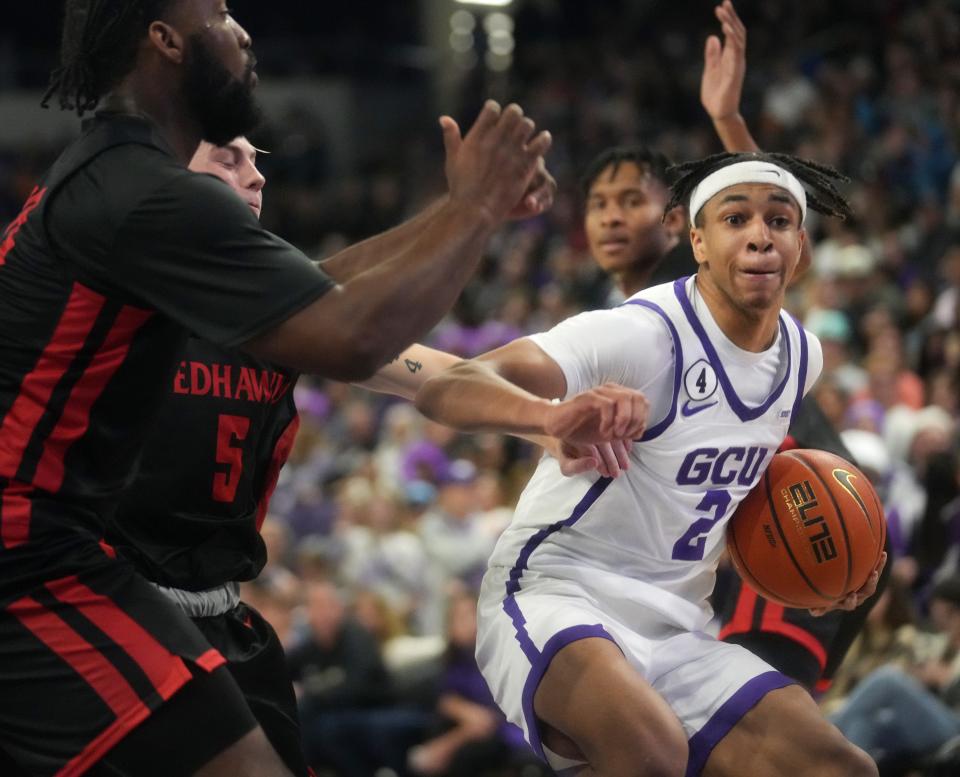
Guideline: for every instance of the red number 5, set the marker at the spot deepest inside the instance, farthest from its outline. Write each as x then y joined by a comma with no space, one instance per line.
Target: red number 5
231,430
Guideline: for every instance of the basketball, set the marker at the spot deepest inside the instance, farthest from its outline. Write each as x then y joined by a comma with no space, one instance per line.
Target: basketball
810,532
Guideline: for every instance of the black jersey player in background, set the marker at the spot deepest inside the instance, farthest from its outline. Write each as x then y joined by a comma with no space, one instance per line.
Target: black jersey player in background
190,521
625,191
118,253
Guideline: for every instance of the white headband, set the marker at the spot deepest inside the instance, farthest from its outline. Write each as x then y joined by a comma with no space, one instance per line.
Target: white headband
753,171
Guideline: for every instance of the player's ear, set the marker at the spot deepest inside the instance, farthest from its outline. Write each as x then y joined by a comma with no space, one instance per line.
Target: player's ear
697,244
675,221
166,40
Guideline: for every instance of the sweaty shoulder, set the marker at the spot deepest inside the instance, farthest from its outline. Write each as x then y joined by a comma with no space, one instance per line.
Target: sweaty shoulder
630,345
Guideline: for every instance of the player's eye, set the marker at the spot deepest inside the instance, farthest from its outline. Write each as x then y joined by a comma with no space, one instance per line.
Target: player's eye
734,219
780,222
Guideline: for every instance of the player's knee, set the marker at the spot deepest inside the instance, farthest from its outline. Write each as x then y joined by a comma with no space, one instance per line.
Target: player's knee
843,759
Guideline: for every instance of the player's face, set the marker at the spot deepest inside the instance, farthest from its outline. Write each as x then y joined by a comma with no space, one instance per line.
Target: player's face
236,165
219,74
623,219
749,244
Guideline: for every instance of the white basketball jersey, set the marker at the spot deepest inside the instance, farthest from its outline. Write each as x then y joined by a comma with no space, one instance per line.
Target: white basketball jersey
656,533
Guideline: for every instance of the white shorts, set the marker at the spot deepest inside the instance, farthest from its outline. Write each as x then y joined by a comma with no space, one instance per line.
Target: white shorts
710,685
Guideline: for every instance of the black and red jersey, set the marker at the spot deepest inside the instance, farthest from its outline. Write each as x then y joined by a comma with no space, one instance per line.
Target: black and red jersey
119,252
191,519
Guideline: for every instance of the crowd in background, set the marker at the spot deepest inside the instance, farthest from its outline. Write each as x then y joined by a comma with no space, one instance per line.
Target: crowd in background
382,522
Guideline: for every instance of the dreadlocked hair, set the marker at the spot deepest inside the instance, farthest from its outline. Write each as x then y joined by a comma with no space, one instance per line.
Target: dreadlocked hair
98,48
819,181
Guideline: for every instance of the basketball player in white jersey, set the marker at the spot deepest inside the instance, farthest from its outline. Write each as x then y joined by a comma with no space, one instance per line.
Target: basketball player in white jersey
593,608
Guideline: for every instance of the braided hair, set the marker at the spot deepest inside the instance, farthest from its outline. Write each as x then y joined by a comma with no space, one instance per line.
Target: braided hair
98,48
819,181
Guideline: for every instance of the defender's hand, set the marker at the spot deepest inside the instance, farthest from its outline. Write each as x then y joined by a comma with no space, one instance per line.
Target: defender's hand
602,414
498,166
724,67
608,459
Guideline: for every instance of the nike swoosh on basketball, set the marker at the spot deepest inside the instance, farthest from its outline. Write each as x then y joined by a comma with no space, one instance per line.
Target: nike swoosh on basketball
688,411
843,478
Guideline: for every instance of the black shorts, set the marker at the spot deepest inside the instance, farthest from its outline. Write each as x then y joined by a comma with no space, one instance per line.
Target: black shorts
257,662
88,657
807,648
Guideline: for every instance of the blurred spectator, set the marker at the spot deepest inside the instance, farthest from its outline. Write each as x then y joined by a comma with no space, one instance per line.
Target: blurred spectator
472,737
895,714
337,670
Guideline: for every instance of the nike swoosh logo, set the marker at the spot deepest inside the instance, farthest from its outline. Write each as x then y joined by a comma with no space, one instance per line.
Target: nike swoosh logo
843,478
688,411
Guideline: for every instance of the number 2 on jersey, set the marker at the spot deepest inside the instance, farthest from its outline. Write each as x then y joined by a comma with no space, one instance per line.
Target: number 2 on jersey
691,545
231,429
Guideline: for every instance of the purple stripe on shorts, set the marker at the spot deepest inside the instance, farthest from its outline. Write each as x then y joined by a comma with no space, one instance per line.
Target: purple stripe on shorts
729,714
539,669
510,606
744,413
655,431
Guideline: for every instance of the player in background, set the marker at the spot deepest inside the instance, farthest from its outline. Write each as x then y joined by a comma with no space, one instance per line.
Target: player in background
592,610
808,648
119,252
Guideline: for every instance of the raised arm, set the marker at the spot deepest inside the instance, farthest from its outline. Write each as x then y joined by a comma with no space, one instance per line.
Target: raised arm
361,257
354,329
721,86
358,259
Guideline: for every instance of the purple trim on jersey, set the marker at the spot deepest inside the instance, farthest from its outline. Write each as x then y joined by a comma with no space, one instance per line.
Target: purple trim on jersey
655,431
728,715
510,605
539,668
743,412
802,374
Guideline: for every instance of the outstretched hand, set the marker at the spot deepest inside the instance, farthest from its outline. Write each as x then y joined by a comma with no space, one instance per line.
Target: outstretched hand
853,600
602,414
518,150
724,66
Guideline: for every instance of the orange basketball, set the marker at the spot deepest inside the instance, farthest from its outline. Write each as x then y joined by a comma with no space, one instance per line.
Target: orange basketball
810,532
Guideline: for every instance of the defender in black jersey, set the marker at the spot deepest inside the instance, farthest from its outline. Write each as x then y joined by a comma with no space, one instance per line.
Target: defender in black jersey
118,254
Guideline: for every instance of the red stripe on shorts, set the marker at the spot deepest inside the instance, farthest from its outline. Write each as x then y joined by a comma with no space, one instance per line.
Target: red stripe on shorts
15,511
83,658
210,660
166,671
75,418
71,332
105,740
773,622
